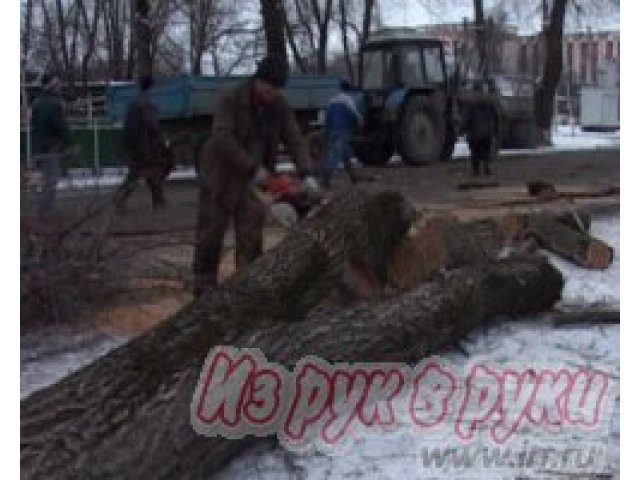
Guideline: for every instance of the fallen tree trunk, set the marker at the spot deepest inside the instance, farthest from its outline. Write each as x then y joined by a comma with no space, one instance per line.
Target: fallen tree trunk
148,434
444,243
586,317
107,413
569,242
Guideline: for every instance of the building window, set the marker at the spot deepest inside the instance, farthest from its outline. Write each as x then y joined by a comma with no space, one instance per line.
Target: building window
522,59
609,50
594,62
584,54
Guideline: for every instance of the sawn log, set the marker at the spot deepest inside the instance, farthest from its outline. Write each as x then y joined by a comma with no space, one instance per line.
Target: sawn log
108,420
150,436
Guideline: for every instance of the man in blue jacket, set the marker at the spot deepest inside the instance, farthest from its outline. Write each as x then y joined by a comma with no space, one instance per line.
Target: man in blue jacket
342,118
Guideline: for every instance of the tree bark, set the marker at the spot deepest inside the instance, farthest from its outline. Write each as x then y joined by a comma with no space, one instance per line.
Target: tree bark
366,28
444,243
573,245
127,415
297,57
273,19
544,95
143,39
26,33
481,37
93,423
322,22
345,38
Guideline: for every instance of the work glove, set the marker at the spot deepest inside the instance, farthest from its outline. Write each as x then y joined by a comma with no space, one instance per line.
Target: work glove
310,184
259,178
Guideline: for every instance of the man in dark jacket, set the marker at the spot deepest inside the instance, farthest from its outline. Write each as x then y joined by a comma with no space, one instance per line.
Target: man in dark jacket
250,120
49,139
146,154
482,131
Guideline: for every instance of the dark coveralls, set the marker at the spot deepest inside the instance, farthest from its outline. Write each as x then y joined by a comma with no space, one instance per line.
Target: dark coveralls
146,154
245,137
49,139
482,131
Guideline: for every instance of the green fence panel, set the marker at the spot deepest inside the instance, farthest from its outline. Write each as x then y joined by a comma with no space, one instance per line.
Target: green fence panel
109,151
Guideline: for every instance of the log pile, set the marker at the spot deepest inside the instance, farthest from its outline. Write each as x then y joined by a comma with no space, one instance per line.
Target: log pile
443,243
127,414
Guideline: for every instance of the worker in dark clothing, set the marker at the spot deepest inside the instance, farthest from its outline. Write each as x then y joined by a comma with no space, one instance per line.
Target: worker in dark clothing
250,120
49,139
342,118
482,132
146,153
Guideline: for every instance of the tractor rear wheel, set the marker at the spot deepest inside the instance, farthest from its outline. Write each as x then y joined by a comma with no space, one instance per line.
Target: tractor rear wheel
421,131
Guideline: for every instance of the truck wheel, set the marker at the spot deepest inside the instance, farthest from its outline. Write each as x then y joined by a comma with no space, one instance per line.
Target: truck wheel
373,152
421,131
317,146
449,144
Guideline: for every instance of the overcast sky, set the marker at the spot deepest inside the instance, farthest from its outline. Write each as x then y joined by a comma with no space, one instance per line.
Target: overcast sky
396,13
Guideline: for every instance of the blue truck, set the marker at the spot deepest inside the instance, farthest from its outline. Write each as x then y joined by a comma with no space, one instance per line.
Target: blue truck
411,102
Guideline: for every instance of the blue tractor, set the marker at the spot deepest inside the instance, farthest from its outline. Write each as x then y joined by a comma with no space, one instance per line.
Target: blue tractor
415,106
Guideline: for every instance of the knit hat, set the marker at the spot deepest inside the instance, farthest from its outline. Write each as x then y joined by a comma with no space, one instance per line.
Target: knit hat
49,81
274,70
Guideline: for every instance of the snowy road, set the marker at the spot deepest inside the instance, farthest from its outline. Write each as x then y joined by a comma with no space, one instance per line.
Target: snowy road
50,355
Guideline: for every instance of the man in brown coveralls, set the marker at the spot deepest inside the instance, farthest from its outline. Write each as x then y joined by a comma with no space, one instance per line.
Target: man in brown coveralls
250,120
146,154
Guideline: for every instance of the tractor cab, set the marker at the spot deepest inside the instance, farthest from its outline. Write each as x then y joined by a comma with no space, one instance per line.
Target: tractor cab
404,83
395,59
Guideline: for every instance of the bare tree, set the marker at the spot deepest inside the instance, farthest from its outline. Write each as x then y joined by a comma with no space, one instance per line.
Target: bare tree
143,35
546,90
25,40
481,37
90,31
273,18
307,28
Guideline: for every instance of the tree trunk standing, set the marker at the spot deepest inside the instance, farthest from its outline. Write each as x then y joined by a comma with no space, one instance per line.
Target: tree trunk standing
117,417
131,48
273,20
322,22
481,38
345,38
54,60
91,30
114,35
366,28
544,96
297,57
26,32
26,47
62,37
143,40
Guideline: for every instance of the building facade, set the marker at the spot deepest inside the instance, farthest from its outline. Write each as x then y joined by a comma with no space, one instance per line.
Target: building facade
589,58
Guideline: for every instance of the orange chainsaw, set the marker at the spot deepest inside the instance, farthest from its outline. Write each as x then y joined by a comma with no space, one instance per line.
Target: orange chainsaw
285,196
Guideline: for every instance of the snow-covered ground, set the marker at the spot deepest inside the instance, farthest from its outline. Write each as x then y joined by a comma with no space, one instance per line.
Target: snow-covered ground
530,342
565,138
